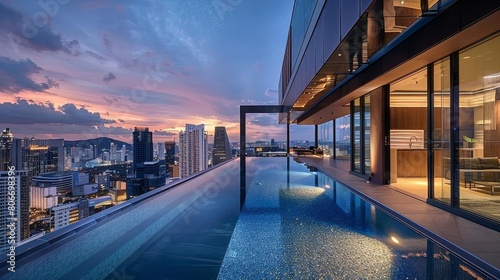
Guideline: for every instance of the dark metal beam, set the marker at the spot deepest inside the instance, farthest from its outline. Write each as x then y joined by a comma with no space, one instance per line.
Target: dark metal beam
255,109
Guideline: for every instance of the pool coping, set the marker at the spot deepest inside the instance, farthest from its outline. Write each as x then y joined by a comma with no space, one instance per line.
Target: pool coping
452,232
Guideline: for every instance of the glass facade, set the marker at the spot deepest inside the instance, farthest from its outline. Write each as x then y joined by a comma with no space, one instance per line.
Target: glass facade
366,122
343,137
302,13
461,98
409,132
479,134
346,35
356,135
325,138
360,122
441,96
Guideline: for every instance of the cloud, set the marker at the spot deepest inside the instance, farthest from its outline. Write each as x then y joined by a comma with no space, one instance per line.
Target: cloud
24,112
163,133
264,120
109,77
15,76
96,56
38,36
271,93
107,42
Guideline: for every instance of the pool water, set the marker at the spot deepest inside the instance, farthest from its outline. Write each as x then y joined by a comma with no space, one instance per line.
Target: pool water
297,223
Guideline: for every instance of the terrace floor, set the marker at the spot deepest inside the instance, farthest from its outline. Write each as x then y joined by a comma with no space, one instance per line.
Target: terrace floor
476,243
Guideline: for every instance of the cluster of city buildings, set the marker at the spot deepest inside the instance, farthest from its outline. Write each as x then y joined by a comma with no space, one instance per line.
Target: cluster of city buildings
194,155
55,184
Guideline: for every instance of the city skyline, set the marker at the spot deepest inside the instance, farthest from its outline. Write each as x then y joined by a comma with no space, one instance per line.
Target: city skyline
158,64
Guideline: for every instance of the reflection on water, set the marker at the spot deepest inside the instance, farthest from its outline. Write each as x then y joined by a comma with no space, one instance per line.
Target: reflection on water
298,223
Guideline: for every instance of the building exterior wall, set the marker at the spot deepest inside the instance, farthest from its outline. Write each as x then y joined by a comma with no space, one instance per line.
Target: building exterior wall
43,197
14,206
6,139
444,54
193,154
143,145
222,147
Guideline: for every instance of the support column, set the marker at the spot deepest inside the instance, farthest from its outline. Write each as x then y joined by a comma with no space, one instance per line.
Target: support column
379,136
430,127
315,136
454,129
288,132
243,178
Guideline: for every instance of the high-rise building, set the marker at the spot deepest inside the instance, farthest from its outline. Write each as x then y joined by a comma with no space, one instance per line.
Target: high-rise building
146,172
170,152
112,152
222,147
38,156
143,145
170,156
123,152
62,180
193,150
6,149
159,152
15,195
149,176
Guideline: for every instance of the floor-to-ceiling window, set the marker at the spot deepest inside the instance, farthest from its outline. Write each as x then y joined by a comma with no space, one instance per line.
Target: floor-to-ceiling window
479,128
356,135
343,138
441,96
464,130
360,123
408,133
325,138
366,112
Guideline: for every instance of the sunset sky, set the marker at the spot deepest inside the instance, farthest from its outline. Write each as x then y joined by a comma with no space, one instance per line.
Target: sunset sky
83,69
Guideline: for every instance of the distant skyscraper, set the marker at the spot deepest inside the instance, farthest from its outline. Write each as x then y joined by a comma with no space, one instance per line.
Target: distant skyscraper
25,150
170,152
147,173
222,147
123,152
112,152
170,157
149,176
143,145
159,151
193,150
6,149
21,207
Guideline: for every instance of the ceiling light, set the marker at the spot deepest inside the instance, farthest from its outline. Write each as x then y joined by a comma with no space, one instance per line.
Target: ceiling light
402,1
340,54
394,240
466,57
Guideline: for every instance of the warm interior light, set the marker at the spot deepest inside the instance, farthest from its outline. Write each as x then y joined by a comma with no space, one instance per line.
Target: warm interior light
394,240
496,75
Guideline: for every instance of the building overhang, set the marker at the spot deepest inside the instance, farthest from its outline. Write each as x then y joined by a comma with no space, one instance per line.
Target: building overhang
426,41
